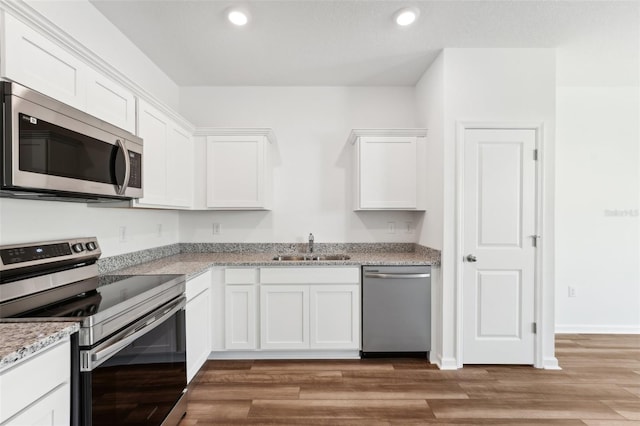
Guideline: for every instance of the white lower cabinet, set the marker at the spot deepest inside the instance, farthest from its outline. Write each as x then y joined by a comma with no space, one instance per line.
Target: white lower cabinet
240,317
284,317
334,316
198,319
240,308
287,311
34,393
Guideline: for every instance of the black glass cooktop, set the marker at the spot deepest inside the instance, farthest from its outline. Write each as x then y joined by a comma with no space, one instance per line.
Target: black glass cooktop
98,295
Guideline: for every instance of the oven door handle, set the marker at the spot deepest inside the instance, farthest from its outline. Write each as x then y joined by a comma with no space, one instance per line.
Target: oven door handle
91,359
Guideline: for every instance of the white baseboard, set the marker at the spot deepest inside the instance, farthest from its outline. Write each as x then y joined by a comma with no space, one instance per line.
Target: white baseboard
597,329
447,363
551,363
227,355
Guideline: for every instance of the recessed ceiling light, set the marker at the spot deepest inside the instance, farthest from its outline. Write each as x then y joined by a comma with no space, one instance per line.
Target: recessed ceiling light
406,16
238,17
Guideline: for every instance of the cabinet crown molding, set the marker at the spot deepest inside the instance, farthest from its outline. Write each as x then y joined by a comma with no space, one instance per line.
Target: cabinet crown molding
237,131
356,133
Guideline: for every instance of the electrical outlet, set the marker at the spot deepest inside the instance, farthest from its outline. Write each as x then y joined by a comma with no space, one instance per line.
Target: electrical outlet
159,230
408,227
123,234
572,291
391,227
216,229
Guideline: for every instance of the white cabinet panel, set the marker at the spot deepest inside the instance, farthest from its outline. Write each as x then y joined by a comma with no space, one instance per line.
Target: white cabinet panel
179,168
38,63
238,172
389,169
335,316
388,172
240,317
309,275
167,160
152,128
52,410
110,101
198,322
240,275
284,317
21,393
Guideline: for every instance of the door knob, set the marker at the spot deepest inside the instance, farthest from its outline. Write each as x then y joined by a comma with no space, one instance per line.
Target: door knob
470,258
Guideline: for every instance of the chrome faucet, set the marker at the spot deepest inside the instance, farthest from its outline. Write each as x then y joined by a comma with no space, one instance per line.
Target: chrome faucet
310,243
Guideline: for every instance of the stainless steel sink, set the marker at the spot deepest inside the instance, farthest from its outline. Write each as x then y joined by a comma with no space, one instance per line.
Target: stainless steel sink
310,257
332,257
293,258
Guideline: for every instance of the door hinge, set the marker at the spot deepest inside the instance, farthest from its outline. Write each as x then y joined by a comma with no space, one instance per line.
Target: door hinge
535,155
534,240
534,328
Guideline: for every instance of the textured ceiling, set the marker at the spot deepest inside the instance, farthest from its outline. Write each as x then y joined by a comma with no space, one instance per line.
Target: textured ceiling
343,43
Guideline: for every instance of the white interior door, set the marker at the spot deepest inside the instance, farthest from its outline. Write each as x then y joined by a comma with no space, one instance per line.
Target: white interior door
499,218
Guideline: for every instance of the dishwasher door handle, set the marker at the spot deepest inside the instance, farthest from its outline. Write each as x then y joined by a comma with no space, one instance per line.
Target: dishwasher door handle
400,276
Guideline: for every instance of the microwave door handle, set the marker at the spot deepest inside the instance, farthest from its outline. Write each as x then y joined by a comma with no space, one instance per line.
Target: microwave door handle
120,189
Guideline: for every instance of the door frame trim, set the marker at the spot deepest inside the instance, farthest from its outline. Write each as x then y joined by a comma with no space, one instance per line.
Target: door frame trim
461,127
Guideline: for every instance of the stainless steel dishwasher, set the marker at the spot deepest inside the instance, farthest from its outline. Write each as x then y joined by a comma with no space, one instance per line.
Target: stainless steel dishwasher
396,310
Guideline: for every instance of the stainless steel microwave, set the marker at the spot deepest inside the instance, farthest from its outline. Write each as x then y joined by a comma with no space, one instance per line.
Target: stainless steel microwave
53,151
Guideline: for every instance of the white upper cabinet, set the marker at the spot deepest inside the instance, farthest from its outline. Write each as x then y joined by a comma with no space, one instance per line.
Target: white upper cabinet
167,160
389,168
239,173
34,61
39,63
110,101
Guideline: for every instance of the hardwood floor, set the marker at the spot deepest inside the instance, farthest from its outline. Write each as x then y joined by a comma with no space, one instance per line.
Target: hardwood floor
599,385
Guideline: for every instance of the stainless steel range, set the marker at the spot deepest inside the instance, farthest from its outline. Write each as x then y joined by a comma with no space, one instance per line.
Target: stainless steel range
129,358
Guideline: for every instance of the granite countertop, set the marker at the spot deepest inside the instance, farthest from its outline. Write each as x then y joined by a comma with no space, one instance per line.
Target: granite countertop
192,264
21,338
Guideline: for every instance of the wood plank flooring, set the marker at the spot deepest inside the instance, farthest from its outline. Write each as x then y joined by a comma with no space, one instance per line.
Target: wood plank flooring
599,385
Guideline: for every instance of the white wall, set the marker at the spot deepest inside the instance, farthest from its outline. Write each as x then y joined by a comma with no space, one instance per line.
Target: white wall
31,221
485,85
598,178
430,102
598,249
82,21
313,163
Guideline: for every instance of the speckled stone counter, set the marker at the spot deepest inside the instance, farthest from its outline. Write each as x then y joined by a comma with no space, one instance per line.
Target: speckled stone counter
20,339
192,264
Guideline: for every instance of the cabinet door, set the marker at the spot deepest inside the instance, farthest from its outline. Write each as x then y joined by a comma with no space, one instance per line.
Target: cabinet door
52,410
387,173
38,63
240,317
179,167
335,316
110,102
198,318
33,379
284,316
152,128
236,172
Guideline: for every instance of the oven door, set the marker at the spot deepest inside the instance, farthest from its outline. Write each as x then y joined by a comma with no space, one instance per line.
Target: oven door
138,376
52,149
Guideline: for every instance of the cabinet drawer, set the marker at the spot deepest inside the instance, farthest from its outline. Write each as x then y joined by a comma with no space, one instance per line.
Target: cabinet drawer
28,381
309,275
240,276
198,284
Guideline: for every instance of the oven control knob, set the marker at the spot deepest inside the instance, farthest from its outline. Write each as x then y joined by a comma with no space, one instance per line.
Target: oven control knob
78,247
91,246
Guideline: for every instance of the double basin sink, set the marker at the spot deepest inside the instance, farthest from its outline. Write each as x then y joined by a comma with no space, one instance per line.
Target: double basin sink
310,257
